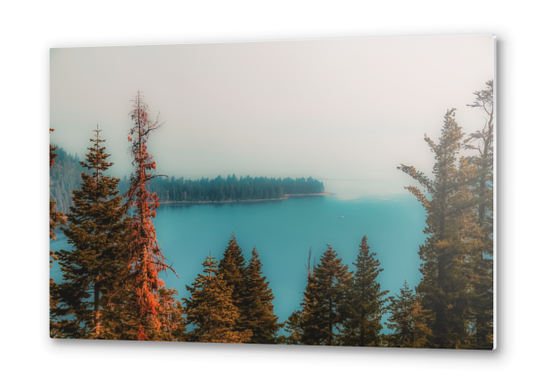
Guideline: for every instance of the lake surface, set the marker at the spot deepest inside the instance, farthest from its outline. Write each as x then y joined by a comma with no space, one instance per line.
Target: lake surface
283,233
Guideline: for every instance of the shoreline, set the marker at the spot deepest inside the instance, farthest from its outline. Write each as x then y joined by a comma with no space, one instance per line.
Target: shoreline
285,197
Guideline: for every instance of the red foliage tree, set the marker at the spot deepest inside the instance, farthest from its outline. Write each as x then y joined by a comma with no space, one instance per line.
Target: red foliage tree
146,257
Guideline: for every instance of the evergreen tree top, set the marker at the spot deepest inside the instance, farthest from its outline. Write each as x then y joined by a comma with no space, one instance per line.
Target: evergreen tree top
257,308
234,255
254,274
255,260
95,158
98,197
210,266
210,274
406,288
211,309
330,266
367,267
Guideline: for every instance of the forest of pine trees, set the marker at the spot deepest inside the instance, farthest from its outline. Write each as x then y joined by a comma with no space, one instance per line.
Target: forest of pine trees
230,188
66,177
111,289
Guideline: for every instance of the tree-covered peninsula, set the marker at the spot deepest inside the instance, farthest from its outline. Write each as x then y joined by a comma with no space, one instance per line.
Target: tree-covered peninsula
66,177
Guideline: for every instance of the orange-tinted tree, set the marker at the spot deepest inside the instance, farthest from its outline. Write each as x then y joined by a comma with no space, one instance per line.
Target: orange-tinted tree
147,260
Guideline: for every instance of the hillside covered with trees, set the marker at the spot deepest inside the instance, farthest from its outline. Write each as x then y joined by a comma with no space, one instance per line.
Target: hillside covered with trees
65,177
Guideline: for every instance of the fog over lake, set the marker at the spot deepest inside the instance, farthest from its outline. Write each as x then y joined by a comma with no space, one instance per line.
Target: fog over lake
331,109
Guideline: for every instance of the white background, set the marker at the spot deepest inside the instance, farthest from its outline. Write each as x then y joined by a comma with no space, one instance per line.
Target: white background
29,29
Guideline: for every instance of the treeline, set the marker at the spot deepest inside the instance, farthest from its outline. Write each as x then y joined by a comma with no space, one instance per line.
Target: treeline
66,177
230,188
111,289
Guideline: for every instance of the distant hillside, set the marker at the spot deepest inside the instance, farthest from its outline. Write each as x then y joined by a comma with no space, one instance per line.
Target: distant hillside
65,176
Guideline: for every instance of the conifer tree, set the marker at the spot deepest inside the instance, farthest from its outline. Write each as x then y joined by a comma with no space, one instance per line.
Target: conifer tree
293,328
451,234
258,305
210,309
408,320
145,255
481,141
97,233
233,271
366,301
325,297
170,315
481,267
294,325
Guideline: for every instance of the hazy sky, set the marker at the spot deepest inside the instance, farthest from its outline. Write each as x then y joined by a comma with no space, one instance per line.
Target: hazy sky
330,109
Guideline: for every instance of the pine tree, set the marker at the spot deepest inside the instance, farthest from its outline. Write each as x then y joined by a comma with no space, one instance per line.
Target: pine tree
293,328
408,320
482,142
97,232
481,267
210,309
145,255
451,234
233,271
258,306
294,325
170,315
366,301
325,301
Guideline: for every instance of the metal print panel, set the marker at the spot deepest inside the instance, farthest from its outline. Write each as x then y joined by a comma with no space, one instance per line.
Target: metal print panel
326,192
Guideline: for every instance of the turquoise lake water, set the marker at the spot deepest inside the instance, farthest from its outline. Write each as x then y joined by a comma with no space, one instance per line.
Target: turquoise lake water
284,231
